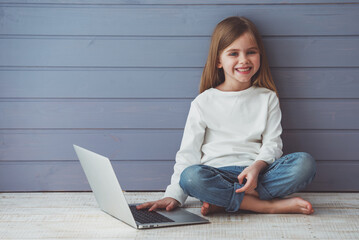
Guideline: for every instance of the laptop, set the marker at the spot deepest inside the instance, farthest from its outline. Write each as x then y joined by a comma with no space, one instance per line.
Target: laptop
110,198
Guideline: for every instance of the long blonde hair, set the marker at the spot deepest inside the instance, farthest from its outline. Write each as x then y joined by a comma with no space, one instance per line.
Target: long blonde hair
225,33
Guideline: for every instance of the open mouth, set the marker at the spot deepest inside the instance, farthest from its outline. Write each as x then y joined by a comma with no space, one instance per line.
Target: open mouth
244,70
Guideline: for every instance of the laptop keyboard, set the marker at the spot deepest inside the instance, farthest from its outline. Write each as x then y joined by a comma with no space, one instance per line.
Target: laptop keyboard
144,216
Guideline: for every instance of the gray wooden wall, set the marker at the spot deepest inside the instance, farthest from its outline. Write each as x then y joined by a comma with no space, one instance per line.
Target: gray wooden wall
118,76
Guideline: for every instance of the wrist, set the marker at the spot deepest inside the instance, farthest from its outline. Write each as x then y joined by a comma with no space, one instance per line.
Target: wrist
259,165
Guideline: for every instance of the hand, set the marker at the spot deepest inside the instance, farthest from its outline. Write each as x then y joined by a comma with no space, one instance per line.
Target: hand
168,203
251,175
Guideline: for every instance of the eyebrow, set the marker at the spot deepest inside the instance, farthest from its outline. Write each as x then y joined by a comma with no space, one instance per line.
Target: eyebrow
235,49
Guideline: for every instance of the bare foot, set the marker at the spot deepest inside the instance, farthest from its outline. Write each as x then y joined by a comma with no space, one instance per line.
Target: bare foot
210,208
291,205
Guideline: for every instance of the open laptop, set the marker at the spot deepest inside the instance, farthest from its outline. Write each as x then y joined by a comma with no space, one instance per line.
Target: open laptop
110,198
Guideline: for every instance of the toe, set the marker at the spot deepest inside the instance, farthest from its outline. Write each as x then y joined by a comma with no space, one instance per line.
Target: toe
204,209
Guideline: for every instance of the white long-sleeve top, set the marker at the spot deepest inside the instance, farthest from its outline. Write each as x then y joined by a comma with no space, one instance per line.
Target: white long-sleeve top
229,129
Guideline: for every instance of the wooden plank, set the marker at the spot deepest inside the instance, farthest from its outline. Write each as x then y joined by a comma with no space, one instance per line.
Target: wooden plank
9,201
145,175
154,113
149,145
327,114
323,145
335,176
174,2
69,176
77,216
316,83
115,144
100,83
95,114
158,20
175,83
176,52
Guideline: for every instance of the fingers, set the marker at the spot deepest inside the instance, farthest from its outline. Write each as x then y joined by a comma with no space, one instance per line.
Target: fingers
171,206
242,189
154,207
151,205
145,205
250,185
168,204
240,180
241,177
251,176
162,204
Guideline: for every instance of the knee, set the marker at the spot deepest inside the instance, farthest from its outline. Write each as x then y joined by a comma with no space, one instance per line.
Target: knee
305,166
190,177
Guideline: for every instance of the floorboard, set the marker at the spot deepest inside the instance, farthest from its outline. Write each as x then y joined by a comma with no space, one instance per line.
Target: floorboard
75,215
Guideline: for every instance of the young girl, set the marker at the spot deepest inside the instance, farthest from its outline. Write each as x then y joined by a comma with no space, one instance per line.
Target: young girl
230,155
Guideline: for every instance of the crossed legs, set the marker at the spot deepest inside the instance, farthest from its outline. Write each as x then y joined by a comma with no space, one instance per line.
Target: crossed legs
215,187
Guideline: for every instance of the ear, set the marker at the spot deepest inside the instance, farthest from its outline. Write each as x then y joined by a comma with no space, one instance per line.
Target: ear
219,64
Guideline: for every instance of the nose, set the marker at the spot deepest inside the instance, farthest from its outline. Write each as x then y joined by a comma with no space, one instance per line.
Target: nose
243,59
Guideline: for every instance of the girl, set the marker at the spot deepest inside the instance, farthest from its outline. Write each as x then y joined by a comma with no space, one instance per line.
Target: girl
230,155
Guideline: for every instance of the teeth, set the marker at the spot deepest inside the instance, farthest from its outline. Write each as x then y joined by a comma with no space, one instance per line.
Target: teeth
243,70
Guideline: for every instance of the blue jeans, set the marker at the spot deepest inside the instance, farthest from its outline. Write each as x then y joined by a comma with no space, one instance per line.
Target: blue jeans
287,175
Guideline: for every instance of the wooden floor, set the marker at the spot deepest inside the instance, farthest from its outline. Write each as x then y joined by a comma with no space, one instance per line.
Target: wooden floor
76,216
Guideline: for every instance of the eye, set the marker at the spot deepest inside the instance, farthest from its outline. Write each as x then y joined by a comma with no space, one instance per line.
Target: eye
251,52
233,54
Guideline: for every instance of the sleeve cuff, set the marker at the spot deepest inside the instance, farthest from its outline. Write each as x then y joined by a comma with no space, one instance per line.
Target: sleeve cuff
175,191
268,160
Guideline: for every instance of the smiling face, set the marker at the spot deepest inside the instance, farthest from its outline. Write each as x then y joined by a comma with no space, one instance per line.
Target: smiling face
239,61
